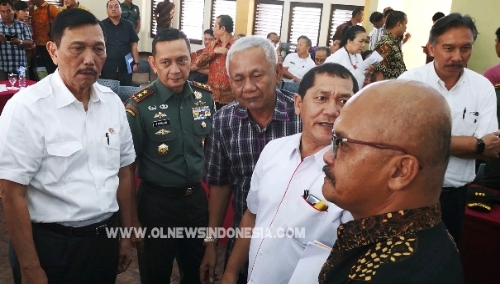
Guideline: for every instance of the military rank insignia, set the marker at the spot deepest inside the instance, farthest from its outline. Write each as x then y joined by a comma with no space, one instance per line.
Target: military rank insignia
201,86
141,95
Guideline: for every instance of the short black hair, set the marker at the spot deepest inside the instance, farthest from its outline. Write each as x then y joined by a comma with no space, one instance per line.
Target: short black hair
308,40
330,69
366,53
7,2
227,22
349,33
271,33
324,48
498,34
72,18
437,16
208,32
393,18
112,0
170,34
451,21
387,12
357,11
21,5
376,17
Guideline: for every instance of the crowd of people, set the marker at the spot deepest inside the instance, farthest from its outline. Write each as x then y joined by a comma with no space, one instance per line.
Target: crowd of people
375,174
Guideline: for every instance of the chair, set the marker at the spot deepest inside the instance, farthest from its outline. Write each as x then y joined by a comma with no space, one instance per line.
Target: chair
291,87
124,92
112,84
479,174
140,77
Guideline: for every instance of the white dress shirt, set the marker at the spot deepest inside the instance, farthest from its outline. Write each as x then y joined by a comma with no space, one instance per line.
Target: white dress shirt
68,157
347,60
375,36
473,106
298,66
276,197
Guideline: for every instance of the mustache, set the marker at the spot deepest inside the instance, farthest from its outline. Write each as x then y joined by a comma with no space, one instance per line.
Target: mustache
459,65
328,174
87,70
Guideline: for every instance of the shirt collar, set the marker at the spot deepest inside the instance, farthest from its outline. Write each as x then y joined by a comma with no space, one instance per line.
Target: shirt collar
318,156
64,96
435,77
280,110
377,228
392,37
166,93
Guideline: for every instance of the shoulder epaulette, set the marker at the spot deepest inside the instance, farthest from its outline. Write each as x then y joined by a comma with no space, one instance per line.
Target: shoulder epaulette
141,95
131,109
201,86
497,86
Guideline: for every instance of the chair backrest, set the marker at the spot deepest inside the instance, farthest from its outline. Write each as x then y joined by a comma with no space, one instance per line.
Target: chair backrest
124,92
112,84
291,87
143,66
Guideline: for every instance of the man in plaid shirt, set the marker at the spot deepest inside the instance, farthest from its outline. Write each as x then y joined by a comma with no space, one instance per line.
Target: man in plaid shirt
15,37
240,131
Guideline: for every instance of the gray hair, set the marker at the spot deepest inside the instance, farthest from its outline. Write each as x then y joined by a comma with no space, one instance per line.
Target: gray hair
253,42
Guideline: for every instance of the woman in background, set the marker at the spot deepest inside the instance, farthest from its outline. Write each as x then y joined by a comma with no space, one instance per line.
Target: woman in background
164,14
349,54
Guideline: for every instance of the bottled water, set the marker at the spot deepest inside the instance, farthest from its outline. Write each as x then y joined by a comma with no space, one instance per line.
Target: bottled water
22,76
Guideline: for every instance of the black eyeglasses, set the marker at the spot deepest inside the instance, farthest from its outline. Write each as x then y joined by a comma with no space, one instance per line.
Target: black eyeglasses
336,140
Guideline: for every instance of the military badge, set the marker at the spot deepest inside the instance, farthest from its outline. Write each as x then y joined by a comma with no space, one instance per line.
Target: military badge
201,113
160,115
163,132
152,108
197,95
163,106
163,149
203,124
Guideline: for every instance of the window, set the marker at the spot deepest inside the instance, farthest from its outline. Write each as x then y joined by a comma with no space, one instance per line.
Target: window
268,16
154,3
223,7
339,15
191,19
305,19
59,3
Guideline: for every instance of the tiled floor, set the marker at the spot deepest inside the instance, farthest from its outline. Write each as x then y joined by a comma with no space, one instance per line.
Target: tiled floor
131,276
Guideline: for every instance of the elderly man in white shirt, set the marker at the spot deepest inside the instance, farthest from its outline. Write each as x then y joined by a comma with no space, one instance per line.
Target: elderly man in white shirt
65,149
286,206
472,101
297,64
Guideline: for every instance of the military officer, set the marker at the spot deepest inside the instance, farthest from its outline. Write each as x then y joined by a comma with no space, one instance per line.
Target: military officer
169,121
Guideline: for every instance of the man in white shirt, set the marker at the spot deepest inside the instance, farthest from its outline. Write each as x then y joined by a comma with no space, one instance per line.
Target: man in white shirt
66,148
472,101
297,64
285,194
377,19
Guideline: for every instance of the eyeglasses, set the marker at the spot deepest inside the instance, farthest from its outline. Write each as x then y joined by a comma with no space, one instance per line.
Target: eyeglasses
336,140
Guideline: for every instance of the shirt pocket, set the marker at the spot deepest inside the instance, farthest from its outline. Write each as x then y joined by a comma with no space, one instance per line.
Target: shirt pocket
58,156
306,222
112,145
162,143
202,127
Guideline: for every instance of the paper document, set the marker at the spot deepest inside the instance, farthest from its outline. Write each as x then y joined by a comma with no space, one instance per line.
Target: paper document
374,58
312,259
129,60
3,87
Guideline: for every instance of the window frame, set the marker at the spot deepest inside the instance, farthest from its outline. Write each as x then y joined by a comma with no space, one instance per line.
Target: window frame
290,19
270,2
153,20
212,19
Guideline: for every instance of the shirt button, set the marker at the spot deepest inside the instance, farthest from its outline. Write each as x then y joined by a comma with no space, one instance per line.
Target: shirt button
297,177
187,157
182,107
185,133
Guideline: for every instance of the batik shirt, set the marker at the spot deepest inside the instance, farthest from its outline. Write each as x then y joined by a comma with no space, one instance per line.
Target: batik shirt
389,47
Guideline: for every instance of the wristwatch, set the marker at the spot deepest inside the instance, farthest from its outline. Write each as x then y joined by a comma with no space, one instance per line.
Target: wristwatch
210,240
480,146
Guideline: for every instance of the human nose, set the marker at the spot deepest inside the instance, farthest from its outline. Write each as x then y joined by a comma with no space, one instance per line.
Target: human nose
248,85
89,57
456,55
329,157
332,108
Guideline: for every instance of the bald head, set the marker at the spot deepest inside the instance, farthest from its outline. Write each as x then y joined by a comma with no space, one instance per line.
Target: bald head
396,135
409,113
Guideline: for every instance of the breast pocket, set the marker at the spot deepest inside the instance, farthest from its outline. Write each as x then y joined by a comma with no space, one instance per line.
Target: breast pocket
306,223
162,142
202,127
112,150
58,155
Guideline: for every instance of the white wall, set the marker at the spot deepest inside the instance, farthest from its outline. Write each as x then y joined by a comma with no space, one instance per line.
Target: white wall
99,9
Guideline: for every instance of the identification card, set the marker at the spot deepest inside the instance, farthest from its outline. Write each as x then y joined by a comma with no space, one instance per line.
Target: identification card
201,113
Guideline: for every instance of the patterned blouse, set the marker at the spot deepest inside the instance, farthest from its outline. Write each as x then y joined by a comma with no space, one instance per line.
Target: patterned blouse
389,47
